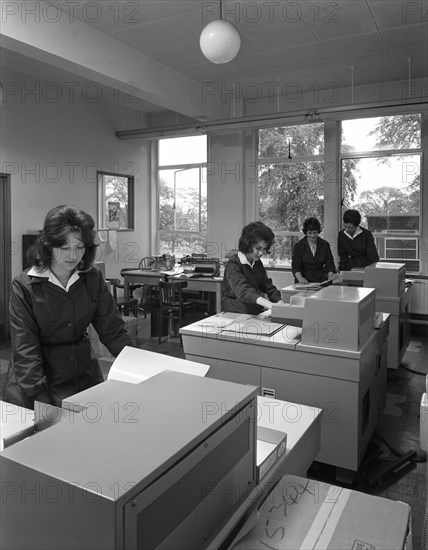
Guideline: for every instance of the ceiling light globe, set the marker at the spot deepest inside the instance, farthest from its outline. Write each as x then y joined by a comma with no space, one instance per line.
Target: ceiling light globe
220,41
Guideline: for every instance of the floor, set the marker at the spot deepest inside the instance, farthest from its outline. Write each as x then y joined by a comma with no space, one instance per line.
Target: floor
397,432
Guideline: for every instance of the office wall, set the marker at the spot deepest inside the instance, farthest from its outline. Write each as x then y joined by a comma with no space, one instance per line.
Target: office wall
52,144
232,185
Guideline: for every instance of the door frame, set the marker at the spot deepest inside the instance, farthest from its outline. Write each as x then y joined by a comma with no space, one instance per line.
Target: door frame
5,253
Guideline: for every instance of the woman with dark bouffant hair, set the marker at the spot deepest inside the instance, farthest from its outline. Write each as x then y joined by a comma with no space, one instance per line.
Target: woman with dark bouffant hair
51,307
312,260
246,288
355,244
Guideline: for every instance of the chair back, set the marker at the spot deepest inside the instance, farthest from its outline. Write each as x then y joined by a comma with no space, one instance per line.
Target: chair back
170,293
146,262
113,286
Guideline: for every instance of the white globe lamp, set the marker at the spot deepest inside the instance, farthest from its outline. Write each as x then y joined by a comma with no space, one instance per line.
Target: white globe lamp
220,41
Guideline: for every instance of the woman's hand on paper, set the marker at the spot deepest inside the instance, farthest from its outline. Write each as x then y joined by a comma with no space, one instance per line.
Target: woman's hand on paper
265,314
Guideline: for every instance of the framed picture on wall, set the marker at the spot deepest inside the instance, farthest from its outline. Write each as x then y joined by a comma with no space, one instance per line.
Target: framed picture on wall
115,201
113,210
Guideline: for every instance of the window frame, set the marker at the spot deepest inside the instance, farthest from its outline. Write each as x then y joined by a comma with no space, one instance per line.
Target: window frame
102,222
287,160
203,172
386,153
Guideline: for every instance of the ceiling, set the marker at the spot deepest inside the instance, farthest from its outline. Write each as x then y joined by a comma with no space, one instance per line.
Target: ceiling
301,45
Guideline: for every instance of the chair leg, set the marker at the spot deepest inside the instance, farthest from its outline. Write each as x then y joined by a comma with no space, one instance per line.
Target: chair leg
159,325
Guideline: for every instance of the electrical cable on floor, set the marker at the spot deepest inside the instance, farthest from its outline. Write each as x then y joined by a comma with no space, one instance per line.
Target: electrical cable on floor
420,455
413,370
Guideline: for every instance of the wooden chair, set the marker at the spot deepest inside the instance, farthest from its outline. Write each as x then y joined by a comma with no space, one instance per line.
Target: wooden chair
124,305
152,290
146,262
172,305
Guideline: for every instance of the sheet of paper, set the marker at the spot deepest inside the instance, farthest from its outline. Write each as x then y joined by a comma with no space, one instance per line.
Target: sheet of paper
220,320
252,324
112,238
135,365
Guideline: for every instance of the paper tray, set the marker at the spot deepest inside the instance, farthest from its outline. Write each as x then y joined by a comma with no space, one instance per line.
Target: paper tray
271,445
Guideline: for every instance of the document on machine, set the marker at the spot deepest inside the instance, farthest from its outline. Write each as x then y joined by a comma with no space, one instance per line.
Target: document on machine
311,286
135,365
220,320
253,324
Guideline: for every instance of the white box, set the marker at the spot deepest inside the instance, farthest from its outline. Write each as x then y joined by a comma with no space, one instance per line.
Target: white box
271,445
339,317
387,278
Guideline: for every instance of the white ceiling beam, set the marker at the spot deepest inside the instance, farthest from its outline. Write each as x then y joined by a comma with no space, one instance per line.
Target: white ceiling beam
76,47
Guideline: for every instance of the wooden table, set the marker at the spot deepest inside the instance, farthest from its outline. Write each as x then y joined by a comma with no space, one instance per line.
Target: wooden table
141,276
147,277
205,284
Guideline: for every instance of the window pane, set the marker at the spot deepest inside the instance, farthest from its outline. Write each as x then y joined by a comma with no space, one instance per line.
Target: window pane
386,191
185,150
187,200
382,133
182,211
289,193
302,140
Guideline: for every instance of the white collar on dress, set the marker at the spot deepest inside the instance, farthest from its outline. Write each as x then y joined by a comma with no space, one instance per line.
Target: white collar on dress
358,231
47,273
243,259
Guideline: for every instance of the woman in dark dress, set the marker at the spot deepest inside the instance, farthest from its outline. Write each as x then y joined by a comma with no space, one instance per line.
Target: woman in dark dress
246,288
51,307
312,260
355,245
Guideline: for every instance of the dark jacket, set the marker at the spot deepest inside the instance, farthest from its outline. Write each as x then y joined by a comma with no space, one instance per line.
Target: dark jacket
314,268
357,252
242,285
51,351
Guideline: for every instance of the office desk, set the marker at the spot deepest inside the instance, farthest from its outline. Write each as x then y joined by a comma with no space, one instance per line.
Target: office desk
348,385
141,276
206,284
303,427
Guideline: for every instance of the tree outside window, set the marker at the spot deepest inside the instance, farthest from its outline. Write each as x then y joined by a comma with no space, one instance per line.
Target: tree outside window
291,182
383,156
182,191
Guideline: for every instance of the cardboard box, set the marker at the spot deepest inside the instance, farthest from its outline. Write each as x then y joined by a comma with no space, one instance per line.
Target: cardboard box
271,445
309,515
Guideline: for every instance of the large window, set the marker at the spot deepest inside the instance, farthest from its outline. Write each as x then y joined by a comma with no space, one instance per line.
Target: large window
381,177
291,182
182,186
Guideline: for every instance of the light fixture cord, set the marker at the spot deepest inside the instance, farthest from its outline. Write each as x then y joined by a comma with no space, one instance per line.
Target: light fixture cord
221,10
234,101
277,96
408,84
352,84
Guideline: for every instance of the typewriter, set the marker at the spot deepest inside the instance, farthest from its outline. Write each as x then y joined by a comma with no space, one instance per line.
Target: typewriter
203,266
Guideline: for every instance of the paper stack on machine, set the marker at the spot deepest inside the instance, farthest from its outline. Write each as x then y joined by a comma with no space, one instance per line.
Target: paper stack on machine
302,513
